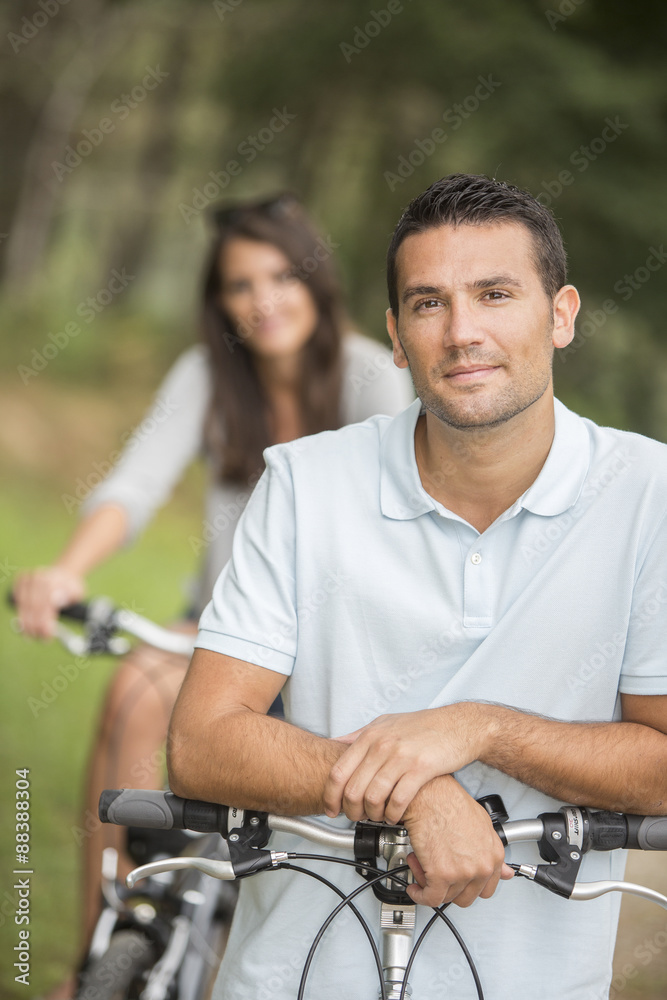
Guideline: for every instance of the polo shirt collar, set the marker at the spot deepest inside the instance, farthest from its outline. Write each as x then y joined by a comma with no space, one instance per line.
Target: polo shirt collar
561,478
402,495
556,489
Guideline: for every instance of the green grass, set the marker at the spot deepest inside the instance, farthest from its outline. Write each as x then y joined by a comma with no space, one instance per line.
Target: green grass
53,741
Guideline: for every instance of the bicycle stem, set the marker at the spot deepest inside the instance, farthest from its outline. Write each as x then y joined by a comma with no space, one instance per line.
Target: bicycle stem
397,921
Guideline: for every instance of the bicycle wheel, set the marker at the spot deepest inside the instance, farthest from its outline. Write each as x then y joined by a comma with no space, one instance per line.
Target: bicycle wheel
119,973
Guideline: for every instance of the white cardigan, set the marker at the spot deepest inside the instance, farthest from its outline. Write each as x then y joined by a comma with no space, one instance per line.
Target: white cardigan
171,435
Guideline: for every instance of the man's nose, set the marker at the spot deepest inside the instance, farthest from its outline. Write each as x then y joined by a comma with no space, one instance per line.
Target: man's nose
462,326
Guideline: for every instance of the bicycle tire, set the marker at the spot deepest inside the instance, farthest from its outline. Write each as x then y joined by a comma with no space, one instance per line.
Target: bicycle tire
118,973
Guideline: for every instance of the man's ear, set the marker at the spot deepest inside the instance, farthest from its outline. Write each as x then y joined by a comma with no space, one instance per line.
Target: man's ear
566,306
400,357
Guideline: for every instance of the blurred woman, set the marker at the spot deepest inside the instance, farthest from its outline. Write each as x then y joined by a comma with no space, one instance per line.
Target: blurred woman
277,362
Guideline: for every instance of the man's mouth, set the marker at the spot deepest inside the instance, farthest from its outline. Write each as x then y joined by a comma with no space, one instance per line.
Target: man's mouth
463,373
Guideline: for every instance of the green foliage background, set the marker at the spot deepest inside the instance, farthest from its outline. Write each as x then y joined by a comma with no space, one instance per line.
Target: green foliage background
560,69
361,101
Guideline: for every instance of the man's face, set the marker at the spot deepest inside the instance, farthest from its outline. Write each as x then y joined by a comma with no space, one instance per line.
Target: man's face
475,324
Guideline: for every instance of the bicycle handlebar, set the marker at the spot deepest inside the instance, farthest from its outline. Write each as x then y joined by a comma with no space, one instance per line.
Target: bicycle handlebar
647,833
157,810
160,810
102,620
76,612
562,839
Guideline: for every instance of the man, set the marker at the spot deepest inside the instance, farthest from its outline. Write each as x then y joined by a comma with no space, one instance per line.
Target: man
460,598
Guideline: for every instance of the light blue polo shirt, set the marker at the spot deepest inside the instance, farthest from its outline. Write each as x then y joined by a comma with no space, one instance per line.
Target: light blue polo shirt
371,597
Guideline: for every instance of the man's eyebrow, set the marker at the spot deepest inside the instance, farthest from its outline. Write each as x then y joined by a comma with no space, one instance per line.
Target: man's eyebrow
413,290
493,281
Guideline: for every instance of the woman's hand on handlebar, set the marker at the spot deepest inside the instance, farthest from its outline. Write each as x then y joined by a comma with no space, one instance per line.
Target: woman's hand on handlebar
40,594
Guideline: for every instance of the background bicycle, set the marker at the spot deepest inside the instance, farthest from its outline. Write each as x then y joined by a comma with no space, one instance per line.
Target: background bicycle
172,931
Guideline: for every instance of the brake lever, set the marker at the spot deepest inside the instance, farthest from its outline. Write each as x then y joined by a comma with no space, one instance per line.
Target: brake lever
217,869
591,890
243,860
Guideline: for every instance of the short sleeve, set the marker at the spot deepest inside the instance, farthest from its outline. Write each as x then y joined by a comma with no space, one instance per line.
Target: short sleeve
644,670
252,614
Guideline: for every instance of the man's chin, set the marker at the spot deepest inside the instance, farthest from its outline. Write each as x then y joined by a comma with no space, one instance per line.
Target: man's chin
462,419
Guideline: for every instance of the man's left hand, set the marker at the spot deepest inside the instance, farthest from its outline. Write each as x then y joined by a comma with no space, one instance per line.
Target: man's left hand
389,760
458,856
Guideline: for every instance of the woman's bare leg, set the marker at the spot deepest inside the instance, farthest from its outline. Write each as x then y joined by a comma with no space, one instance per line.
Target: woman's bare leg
128,753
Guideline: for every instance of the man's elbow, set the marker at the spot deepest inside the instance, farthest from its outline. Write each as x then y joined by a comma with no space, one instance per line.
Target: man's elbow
181,772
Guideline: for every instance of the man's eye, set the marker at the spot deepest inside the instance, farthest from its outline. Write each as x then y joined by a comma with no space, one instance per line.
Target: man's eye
496,295
428,304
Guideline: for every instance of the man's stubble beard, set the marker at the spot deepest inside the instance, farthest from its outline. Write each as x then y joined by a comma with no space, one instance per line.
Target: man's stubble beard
500,408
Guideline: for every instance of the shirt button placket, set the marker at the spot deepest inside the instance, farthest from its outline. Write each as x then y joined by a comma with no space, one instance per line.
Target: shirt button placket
476,603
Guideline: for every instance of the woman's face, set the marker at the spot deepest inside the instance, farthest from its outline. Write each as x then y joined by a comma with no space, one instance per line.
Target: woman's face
272,310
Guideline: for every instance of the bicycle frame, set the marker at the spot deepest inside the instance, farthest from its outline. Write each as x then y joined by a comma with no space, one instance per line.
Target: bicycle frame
181,913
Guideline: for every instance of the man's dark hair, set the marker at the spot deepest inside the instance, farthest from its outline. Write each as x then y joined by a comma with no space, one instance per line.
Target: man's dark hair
475,200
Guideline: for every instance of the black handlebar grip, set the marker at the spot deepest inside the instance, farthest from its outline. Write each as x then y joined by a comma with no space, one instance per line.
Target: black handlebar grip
647,833
77,612
141,807
156,810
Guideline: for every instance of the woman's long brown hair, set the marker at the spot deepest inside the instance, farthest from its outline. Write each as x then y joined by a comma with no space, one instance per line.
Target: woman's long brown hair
238,422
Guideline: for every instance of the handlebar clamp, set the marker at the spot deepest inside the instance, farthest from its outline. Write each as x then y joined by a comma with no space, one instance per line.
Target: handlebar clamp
367,849
246,840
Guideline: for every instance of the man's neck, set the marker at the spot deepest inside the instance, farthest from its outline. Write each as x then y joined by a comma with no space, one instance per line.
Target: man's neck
479,473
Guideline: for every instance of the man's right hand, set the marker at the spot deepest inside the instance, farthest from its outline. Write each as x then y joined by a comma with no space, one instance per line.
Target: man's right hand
39,595
458,856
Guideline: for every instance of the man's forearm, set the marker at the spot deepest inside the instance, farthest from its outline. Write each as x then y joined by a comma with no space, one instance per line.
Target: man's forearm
618,765
252,761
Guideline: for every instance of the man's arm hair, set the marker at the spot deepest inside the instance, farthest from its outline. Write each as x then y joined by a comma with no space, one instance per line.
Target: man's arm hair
617,765
608,765
222,747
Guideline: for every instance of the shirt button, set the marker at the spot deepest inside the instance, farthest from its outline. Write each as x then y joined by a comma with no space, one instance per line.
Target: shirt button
476,558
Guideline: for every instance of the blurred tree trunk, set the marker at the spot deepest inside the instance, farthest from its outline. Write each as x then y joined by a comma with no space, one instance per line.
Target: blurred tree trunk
40,188
158,162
